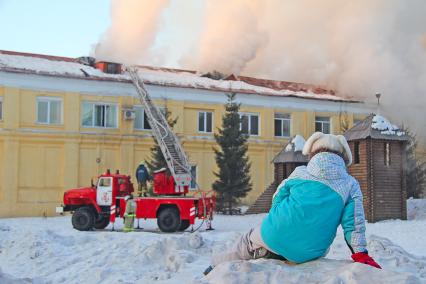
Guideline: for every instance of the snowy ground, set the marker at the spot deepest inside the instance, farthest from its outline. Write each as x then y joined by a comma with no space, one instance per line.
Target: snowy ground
48,250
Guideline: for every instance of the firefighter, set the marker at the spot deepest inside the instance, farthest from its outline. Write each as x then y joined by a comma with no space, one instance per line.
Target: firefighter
142,177
129,214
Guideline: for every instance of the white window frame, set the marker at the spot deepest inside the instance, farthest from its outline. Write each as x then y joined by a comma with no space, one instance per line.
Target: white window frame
143,119
1,108
93,114
250,114
322,123
205,122
282,120
49,100
193,184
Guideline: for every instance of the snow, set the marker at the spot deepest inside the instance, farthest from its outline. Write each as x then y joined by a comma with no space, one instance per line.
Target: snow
296,144
49,250
155,76
385,127
416,209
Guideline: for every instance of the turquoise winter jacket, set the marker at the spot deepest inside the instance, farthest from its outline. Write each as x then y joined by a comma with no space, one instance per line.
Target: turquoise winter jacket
309,206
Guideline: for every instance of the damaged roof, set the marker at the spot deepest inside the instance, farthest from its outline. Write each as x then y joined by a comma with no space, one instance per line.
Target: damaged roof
48,65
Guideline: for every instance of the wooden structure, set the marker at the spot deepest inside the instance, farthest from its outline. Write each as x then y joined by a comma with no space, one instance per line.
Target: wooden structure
284,164
378,164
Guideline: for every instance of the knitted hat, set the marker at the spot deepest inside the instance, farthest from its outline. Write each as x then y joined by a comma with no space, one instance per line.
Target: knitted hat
335,143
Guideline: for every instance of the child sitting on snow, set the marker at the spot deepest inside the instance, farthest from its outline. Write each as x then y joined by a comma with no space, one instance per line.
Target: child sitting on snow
307,208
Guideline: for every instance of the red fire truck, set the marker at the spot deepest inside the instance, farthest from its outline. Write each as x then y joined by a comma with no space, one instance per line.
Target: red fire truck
100,204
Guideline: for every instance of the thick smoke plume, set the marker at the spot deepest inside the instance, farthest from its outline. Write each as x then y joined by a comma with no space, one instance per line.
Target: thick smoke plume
358,48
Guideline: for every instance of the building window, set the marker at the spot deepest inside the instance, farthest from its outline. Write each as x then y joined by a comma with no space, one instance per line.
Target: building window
249,123
193,184
1,108
282,125
205,122
387,154
356,152
49,110
99,115
322,124
141,120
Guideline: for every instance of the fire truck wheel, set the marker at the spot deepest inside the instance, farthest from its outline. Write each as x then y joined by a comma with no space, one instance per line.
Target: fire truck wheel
184,224
102,222
83,219
168,220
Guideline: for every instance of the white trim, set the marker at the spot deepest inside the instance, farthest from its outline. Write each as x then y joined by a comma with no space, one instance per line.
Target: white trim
282,119
205,121
249,114
122,89
322,123
48,100
143,119
93,116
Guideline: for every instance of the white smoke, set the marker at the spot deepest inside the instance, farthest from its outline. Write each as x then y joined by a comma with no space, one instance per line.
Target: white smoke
358,48
134,27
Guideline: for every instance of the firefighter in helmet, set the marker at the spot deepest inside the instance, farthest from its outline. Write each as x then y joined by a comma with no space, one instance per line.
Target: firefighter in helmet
142,177
129,214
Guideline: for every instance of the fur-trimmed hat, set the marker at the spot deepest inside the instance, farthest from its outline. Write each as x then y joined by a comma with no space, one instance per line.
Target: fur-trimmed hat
335,143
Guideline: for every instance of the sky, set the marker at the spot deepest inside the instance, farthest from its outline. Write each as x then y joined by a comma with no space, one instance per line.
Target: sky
55,27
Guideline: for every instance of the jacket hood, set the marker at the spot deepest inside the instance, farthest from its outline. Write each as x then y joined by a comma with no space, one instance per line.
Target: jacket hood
327,166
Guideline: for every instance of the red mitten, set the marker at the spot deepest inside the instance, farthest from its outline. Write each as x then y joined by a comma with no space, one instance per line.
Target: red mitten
363,257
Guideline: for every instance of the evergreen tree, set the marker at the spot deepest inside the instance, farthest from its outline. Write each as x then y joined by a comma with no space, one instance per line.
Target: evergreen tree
416,170
157,160
233,180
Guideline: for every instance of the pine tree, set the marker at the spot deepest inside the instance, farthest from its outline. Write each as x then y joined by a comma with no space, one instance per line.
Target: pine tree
416,170
157,160
233,180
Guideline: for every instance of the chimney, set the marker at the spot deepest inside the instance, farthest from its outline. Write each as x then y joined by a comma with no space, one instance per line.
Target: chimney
109,67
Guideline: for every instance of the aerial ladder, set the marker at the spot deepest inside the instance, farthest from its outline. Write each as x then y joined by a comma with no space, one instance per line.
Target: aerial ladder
170,146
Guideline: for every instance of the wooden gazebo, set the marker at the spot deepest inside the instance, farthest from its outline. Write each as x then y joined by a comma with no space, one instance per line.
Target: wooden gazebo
285,162
379,158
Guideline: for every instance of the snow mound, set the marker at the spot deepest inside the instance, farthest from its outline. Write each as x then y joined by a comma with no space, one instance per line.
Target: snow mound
416,209
7,279
296,144
392,256
385,127
319,271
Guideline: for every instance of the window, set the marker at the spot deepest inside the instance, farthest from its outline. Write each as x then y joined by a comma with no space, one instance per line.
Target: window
356,152
141,120
99,115
1,108
205,122
49,110
387,154
322,124
282,125
249,123
193,184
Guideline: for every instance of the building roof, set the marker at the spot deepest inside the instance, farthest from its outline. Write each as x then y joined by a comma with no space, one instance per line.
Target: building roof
375,127
292,152
58,66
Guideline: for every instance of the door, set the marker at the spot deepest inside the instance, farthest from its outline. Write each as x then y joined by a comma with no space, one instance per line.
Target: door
104,191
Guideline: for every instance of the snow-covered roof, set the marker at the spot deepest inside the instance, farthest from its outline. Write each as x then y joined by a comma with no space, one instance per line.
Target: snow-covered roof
70,67
376,127
296,144
292,152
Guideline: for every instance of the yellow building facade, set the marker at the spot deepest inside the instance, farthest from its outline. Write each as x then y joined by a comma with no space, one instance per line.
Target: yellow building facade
59,132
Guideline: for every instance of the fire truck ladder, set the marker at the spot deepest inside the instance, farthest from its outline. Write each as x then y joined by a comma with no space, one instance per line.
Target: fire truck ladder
167,140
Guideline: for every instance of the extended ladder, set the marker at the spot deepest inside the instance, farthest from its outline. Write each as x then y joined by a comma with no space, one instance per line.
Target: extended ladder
167,140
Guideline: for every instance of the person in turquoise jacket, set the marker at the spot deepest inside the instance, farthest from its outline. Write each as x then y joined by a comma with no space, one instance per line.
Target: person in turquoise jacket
307,208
